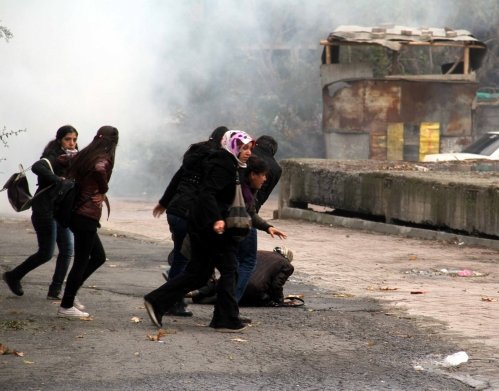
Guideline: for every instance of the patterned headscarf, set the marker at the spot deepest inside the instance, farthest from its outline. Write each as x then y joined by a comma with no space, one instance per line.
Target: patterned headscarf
230,143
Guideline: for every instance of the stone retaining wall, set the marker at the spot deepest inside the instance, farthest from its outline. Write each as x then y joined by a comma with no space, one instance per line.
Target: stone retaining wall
449,196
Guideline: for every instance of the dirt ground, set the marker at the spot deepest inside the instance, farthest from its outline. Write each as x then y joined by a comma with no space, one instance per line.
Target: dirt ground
362,328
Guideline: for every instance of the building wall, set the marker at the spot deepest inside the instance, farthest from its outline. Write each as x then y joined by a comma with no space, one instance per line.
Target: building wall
359,110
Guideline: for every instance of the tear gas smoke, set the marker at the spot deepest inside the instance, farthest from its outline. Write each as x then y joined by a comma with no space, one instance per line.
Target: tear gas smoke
146,66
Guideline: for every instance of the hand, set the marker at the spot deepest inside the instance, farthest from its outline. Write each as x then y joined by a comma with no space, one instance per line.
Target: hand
274,231
219,227
98,198
158,210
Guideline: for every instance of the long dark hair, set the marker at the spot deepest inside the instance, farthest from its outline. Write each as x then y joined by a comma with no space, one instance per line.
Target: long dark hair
55,144
213,141
102,146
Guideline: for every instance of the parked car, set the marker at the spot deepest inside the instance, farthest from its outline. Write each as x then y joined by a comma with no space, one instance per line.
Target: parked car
486,147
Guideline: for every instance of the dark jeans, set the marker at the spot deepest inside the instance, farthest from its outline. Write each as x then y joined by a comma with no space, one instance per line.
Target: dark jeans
178,228
209,251
89,256
48,233
246,257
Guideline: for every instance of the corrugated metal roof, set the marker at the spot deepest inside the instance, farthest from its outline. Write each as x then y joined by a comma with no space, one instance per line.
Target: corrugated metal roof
394,37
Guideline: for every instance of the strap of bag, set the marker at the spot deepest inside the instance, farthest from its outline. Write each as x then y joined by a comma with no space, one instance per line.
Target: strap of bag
50,164
292,301
50,186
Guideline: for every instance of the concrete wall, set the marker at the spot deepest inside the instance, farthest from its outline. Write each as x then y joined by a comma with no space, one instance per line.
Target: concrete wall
457,198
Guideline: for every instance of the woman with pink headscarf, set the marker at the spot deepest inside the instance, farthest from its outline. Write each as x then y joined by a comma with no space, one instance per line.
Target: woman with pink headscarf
211,246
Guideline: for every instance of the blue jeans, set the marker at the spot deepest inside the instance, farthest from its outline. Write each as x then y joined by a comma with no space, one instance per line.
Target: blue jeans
48,233
178,228
246,257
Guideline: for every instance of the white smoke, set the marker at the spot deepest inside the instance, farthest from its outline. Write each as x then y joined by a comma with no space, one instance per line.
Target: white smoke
90,63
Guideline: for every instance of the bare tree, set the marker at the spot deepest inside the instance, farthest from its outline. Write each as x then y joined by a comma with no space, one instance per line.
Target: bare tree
5,33
4,133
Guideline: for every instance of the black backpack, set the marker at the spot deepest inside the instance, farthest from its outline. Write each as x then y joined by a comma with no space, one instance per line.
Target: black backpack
18,190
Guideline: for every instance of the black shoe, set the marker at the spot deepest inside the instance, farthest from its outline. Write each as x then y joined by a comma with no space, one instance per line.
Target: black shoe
235,327
179,309
13,284
153,314
54,294
244,319
230,329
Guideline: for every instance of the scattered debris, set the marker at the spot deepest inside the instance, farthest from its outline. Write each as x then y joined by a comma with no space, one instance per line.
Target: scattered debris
381,288
135,319
161,333
239,340
489,299
5,350
15,324
453,360
447,272
343,295
421,168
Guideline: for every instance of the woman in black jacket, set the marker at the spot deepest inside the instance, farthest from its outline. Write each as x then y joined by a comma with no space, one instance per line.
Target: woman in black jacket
178,199
48,232
211,246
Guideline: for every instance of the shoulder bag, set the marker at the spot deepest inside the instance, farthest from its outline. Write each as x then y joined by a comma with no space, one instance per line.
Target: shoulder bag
238,221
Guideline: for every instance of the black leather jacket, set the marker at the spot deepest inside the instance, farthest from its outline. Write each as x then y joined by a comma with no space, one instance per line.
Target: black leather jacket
42,205
183,190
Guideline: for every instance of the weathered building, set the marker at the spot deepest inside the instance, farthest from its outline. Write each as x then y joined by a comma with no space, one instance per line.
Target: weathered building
398,93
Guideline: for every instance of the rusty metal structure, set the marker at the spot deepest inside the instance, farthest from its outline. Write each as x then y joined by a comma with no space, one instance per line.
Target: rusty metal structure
398,93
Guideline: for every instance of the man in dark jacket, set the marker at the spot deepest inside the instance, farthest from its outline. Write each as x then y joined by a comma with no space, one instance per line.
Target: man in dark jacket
265,288
178,199
266,148
266,285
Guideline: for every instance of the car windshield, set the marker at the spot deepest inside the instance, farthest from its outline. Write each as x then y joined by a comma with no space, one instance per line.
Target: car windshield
485,145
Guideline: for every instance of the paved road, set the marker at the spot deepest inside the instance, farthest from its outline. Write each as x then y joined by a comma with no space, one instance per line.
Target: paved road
362,328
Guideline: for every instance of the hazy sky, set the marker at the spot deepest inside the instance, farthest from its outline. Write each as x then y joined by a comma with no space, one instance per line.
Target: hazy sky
97,62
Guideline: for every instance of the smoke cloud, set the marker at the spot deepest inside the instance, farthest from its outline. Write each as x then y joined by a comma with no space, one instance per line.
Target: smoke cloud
140,65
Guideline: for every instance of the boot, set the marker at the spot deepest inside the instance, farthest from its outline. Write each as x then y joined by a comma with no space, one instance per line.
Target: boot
179,309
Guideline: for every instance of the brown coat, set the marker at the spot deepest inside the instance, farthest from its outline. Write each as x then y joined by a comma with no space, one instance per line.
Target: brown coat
95,182
265,287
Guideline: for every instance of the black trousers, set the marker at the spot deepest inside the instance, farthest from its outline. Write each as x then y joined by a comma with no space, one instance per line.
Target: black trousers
89,256
209,251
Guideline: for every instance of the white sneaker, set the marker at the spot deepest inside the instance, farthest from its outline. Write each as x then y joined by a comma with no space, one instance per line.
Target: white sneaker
72,312
77,304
